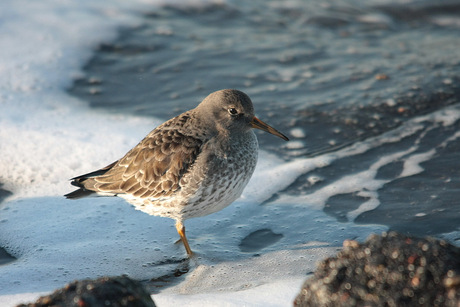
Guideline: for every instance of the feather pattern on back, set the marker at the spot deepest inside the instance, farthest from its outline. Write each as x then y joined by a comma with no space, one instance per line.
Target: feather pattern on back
152,169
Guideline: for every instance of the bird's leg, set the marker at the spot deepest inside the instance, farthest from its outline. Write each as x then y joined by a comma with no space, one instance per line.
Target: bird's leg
181,230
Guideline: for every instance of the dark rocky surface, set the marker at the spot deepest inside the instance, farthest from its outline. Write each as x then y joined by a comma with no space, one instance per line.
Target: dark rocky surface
105,291
4,193
387,270
5,257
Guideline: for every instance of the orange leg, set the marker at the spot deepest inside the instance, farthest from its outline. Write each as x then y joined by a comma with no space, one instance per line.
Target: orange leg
181,230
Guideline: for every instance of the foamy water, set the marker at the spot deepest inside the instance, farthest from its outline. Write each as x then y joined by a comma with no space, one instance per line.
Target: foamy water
48,136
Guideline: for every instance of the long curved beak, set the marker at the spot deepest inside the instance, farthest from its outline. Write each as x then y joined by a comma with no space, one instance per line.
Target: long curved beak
258,124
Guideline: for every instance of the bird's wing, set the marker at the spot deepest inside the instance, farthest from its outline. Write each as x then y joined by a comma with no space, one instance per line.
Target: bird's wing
152,169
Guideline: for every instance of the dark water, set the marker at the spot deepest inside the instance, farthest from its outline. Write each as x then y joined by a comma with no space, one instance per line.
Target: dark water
344,72
4,256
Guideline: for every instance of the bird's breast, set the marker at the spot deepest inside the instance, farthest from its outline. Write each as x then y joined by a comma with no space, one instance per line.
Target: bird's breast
219,179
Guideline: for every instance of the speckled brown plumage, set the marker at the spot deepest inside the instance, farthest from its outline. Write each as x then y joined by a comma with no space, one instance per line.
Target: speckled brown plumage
192,165
152,169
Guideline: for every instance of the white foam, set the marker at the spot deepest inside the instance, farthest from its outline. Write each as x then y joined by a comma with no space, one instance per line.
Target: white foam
221,277
412,163
39,156
280,293
446,21
298,133
295,145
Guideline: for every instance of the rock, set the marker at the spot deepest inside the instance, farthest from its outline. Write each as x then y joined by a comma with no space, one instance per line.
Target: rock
387,270
105,291
5,257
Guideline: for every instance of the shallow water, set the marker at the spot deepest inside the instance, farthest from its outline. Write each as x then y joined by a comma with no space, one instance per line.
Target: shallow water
368,94
381,78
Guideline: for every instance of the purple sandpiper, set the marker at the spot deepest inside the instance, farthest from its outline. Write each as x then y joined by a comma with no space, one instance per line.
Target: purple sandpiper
192,165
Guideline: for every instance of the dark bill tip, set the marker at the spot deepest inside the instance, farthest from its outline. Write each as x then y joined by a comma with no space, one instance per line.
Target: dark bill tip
258,124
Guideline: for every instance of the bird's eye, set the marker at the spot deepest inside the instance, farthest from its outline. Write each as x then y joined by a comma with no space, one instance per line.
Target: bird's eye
233,111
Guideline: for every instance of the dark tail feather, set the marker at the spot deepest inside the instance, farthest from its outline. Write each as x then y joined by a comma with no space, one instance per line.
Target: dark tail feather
78,182
78,194
99,172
